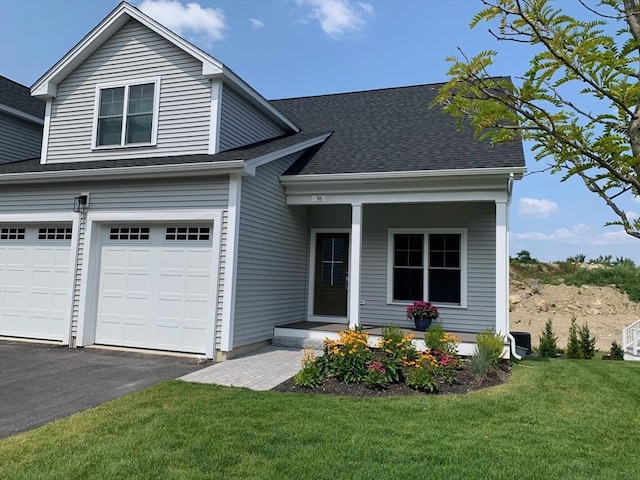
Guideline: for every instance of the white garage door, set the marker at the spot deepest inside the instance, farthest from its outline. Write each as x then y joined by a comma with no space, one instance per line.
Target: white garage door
155,287
35,282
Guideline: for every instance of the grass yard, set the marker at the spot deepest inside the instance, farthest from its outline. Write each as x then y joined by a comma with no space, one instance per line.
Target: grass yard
556,419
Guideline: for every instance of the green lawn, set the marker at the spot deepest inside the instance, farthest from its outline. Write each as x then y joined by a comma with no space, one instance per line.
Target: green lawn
556,419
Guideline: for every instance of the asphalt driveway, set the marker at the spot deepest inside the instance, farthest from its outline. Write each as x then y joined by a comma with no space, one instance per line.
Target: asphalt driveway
41,383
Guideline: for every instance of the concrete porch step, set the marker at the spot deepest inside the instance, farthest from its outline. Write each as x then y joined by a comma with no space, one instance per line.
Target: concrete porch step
312,334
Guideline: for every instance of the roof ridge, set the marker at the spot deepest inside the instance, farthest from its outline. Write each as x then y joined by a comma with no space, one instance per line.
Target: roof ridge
372,90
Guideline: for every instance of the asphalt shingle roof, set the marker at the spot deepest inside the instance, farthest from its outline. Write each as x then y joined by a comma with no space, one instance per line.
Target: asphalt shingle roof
17,96
386,130
242,153
391,129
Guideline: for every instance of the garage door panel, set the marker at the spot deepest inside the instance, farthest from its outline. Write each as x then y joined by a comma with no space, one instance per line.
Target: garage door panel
35,285
166,284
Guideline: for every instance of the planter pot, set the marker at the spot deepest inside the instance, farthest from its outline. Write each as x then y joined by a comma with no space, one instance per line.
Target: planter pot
422,323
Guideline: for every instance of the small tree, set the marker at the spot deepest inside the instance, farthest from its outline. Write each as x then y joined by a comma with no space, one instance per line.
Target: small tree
587,343
525,257
574,349
548,346
594,136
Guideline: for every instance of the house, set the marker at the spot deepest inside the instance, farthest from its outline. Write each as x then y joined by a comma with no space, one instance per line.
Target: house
21,121
172,207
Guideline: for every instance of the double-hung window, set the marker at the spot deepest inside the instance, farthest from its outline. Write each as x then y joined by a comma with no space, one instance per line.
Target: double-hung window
427,264
127,114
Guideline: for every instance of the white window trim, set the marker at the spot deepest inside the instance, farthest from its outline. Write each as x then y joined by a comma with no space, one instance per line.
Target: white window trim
426,231
127,86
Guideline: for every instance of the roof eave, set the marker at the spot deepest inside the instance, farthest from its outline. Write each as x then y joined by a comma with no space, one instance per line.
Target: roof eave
515,173
141,171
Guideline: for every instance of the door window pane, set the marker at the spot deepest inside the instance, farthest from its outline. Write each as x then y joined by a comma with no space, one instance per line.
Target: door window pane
333,268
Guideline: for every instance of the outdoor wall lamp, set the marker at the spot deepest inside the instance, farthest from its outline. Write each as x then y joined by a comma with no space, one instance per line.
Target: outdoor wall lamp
80,203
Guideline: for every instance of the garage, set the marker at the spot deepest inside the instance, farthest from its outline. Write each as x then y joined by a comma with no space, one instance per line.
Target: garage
35,281
155,287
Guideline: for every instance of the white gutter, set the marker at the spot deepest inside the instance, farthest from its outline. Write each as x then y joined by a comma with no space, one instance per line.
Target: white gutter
251,165
140,170
514,172
19,113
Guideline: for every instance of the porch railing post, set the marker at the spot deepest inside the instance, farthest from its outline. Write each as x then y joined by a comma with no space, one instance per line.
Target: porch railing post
354,265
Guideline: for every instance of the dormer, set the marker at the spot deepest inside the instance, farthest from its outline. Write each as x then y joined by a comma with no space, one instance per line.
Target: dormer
132,88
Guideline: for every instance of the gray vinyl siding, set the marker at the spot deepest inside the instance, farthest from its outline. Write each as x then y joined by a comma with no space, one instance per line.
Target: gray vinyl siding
272,257
477,218
19,139
77,280
221,275
122,195
134,52
241,123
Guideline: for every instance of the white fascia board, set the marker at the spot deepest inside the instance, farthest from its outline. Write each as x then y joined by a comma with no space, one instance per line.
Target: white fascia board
513,172
184,169
449,196
20,114
256,99
46,86
251,165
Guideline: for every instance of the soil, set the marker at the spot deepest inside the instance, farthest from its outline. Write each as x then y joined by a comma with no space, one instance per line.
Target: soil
605,310
464,383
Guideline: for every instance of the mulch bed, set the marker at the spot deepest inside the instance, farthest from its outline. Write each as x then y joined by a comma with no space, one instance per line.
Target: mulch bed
464,383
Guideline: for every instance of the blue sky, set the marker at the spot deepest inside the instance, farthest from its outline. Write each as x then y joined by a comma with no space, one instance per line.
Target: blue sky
289,48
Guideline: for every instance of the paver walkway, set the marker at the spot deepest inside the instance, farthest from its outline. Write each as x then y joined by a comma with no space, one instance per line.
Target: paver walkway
261,370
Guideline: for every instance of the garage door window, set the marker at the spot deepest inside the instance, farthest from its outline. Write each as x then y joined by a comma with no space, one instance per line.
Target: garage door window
12,233
187,233
54,233
129,233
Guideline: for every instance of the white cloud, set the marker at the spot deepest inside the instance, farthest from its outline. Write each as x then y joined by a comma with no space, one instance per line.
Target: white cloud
579,234
636,198
338,18
256,24
631,215
206,25
536,207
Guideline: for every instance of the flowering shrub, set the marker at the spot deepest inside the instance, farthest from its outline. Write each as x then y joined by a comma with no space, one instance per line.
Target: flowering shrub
376,375
348,357
396,344
422,309
395,359
310,375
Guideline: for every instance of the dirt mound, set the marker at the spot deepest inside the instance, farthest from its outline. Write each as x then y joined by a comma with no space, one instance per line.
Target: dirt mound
604,309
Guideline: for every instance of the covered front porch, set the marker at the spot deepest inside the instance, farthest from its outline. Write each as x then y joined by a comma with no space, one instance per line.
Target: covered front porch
379,242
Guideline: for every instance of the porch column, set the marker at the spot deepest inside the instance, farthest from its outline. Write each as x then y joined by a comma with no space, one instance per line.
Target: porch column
354,265
502,267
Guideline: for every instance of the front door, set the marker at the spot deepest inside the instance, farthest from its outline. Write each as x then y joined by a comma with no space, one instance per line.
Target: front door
332,261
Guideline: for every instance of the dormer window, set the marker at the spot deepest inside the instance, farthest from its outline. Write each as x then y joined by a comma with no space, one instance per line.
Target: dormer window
126,115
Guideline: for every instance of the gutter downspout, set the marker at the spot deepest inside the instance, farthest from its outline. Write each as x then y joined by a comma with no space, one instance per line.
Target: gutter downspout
512,340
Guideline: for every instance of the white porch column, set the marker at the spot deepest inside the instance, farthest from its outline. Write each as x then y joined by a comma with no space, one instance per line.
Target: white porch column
355,255
502,267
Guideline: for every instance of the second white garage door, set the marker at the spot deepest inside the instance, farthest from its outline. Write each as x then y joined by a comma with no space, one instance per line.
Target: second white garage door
35,281
155,287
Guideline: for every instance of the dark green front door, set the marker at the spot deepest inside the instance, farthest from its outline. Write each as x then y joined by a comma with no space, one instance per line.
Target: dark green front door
332,262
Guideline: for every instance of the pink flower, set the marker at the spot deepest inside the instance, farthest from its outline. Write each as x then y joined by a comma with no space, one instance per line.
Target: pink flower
377,366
